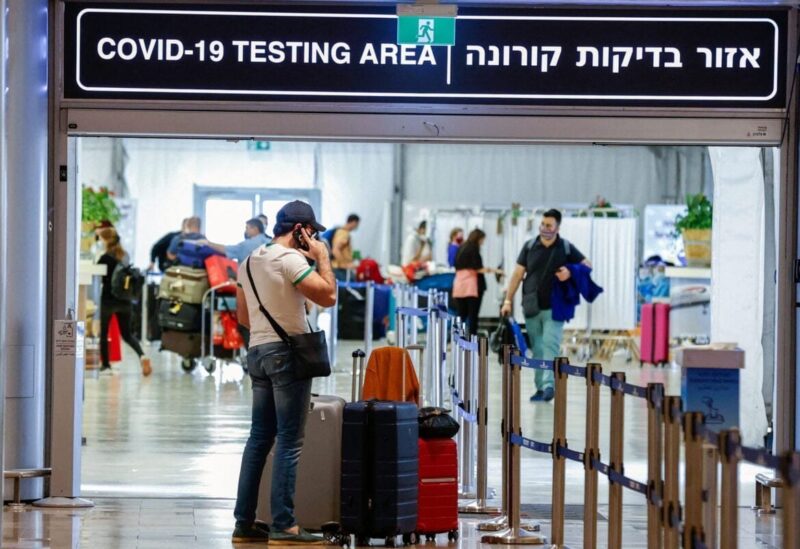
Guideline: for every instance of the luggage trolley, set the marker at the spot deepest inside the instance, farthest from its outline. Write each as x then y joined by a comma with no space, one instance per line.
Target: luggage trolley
212,353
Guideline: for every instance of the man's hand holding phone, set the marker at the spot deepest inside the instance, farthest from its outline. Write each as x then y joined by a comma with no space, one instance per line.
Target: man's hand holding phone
310,247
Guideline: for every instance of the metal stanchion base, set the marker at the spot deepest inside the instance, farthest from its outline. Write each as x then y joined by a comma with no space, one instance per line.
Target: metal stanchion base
501,523
63,502
476,508
514,536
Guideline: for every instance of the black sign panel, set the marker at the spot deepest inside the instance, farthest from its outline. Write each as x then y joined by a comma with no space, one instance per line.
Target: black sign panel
714,58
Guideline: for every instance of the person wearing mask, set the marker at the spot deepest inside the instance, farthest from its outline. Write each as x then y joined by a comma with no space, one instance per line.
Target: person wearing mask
254,236
541,262
342,246
470,282
284,282
417,247
191,231
113,255
158,253
456,240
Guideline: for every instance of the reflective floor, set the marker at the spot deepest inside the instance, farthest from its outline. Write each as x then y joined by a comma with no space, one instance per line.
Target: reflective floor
162,459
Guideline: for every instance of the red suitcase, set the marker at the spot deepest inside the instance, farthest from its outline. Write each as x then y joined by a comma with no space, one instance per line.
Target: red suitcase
654,343
222,270
438,488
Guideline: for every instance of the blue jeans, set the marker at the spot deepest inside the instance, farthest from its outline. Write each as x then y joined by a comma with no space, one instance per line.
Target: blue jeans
280,408
545,335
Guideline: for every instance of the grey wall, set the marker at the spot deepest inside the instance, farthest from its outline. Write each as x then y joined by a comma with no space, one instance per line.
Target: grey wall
26,222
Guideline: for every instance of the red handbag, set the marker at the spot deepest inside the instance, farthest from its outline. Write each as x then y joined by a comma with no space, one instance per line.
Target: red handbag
231,338
222,270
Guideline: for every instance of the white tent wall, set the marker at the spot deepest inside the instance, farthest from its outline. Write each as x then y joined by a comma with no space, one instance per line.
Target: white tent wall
738,274
446,176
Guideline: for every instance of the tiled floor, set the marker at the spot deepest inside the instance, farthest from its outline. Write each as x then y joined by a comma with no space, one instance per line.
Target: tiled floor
162,460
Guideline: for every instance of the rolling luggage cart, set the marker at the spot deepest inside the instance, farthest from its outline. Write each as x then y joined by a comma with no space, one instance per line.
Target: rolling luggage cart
211,352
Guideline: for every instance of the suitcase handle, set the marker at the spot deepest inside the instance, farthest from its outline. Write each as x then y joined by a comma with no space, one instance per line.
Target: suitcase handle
421,350
358,368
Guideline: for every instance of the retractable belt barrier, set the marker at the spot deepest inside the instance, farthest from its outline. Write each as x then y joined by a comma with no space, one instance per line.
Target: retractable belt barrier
669,524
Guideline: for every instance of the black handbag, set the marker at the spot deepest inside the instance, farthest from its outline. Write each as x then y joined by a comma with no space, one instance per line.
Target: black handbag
309,350
436,423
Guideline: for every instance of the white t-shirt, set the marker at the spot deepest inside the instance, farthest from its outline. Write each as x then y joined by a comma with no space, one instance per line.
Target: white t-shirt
277,271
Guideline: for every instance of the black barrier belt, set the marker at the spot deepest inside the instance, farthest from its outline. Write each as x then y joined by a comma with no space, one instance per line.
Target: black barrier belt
530,444
602,379
362,285
761,457
410,311
461,409
572,455
570,370
467,345
534,363
629,389
618,478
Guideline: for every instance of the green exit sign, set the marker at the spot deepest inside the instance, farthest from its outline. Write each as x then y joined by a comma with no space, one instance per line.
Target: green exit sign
258,145
425,30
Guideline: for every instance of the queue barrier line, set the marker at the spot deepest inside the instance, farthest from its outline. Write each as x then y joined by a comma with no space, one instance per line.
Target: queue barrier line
530,444
363,285
467,345
694,524
411,311
535,363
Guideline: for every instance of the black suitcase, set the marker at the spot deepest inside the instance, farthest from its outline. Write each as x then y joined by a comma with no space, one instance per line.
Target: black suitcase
352,312
380,469
182,317
151,307
136,317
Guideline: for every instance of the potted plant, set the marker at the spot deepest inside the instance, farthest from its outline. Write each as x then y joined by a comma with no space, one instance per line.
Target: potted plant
97,208
695,228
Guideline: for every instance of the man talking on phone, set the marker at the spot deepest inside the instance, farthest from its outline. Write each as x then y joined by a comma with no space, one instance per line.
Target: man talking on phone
284,281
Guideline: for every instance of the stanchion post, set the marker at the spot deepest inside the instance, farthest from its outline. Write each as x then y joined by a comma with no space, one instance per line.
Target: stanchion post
693,521
501,521
710,473
482,489
413,320
468,439
655,452
441,359
673,512
617,449
559,462
429,382
791,499
730,454
400,329
591,452
515,534
369,310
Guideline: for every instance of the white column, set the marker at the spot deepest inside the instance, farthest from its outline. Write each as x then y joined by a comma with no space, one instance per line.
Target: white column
24,308
737,289
3,234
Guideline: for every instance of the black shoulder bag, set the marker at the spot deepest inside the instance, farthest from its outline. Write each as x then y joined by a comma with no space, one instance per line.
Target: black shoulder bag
309,350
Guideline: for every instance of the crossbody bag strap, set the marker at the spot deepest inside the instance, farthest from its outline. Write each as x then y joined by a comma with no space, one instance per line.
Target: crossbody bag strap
275,326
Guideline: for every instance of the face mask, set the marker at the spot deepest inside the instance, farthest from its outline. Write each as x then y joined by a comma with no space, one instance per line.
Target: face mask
460,240
547,235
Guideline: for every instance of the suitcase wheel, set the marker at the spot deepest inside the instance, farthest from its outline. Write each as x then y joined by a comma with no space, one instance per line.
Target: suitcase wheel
410,539
391,541
209,364
452,535
188,364
430,537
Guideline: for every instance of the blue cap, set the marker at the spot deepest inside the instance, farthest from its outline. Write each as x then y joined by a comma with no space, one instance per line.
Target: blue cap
293,213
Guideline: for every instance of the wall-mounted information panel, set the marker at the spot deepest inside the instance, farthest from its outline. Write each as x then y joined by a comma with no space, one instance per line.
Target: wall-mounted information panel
653,58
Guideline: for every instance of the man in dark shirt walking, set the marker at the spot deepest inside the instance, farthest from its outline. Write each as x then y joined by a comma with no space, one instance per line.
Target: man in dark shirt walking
542,261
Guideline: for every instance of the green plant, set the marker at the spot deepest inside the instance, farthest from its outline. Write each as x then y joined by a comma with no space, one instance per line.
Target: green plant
699,214
98,206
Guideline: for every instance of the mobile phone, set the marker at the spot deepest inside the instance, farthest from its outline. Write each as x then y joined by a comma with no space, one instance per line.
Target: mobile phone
301,241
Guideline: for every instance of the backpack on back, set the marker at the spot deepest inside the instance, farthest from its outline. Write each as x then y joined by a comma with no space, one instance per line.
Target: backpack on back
328,235
126,282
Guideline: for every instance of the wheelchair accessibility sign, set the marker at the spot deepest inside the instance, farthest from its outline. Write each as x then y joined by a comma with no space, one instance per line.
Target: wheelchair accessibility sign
426,31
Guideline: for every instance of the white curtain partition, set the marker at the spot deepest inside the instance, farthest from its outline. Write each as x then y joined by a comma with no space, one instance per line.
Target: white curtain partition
738,275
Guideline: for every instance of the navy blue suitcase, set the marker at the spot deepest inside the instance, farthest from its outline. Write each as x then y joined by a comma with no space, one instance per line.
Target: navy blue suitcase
380,469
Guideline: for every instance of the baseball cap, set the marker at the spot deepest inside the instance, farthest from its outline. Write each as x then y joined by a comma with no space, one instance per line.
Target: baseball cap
295,212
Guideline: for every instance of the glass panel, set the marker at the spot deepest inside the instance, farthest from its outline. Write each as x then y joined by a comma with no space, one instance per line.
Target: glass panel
225,219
